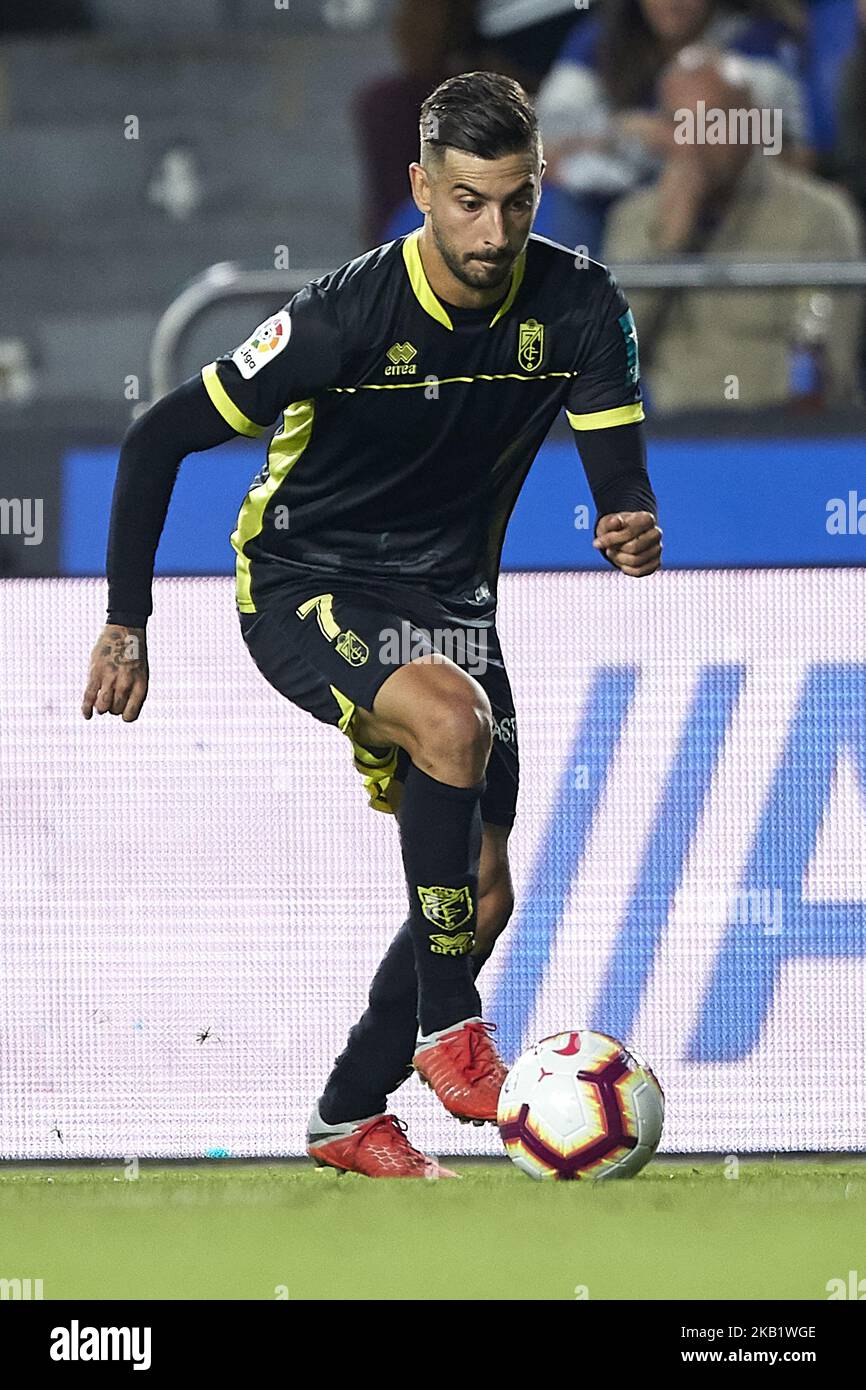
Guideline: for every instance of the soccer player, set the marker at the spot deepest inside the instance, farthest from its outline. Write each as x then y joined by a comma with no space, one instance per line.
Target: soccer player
414,387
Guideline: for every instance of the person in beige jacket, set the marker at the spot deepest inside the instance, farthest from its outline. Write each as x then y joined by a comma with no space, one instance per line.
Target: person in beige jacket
733,200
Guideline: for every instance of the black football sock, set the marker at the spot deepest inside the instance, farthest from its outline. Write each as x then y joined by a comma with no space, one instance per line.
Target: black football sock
378,1055
381,1045
440,836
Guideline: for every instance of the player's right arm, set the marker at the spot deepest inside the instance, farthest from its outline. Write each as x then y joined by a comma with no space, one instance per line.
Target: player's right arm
180,423
290,357
605,409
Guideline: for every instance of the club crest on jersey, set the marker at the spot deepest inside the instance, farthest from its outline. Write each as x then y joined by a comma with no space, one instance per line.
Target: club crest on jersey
448,908
530,346
400,360
352,648
268,340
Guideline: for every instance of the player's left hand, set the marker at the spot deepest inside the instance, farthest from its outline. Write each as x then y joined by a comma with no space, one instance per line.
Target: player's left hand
631,540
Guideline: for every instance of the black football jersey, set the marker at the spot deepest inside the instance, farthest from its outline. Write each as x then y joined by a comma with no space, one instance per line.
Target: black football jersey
407,425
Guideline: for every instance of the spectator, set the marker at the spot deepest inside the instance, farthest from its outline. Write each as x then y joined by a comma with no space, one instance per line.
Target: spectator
598,106
850,160
430,36
522,37
731,200
830,34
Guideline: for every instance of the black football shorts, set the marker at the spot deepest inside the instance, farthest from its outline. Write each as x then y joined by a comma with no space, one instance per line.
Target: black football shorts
330,650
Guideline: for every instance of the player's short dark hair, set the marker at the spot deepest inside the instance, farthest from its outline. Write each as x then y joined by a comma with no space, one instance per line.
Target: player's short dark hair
482,113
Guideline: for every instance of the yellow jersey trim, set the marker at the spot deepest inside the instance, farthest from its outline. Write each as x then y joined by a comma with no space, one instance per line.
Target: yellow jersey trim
420,284
226,407
604,419
517,275
428,300
286,448
447,381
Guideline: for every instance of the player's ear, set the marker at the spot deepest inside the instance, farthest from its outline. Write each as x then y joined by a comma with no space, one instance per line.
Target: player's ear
420,184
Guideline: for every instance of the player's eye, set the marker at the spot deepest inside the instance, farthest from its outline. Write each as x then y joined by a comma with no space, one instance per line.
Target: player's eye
470,204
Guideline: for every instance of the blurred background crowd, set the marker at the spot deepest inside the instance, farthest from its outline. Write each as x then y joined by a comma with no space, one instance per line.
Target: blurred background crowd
608,79
140,144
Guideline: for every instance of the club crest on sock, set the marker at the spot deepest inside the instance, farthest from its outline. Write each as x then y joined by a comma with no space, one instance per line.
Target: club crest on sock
448,908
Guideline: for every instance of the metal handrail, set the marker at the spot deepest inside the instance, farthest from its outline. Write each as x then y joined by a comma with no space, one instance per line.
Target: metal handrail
226,281
215,285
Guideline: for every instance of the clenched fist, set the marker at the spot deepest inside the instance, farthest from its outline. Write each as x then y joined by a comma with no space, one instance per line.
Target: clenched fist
118,673
631,540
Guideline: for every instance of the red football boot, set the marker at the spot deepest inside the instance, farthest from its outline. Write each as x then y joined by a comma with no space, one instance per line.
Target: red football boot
463,1067
378,1148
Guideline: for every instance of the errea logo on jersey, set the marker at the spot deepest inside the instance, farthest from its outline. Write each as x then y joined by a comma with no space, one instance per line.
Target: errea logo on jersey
400,357
268,340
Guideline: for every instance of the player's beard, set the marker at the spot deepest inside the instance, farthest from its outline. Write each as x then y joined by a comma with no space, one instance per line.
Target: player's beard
472,272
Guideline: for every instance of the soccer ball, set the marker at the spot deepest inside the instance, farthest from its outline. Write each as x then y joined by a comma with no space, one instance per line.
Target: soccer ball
579,1105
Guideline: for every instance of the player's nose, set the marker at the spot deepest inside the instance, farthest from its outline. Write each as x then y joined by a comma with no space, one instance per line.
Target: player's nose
495,235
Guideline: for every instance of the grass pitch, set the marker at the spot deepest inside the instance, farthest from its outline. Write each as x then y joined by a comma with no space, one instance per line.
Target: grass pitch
235,1230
